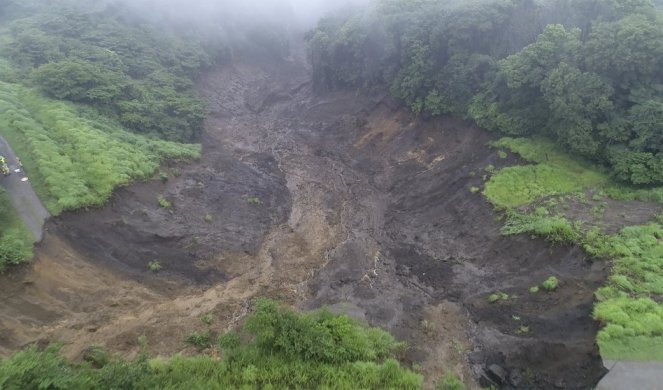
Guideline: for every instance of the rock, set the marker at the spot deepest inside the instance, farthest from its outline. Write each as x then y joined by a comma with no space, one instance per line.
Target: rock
497,374
515,378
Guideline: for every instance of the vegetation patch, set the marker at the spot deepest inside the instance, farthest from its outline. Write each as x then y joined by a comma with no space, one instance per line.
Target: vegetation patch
199,339
154,266
550,284
450,382
164,203
15,238
630,306
73,160
276,349
554,172
254,200
498,296
554,228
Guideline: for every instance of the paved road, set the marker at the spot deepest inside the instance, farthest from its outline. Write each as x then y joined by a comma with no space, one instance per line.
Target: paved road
632,375
21,193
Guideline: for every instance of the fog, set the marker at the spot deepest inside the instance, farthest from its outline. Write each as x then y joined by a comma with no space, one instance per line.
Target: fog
300,14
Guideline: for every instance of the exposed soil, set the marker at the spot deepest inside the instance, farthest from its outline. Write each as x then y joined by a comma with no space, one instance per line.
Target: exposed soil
336,199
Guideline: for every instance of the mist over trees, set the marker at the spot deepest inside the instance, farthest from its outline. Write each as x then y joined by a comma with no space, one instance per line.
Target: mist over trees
586,73
75,75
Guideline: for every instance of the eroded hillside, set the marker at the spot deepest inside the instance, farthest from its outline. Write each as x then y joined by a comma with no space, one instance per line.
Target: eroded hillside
336,199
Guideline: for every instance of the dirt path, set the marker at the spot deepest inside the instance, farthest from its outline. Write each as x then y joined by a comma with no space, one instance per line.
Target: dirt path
23,197
335,199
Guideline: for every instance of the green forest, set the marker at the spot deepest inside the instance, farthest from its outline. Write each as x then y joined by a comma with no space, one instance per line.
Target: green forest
135,73
585,73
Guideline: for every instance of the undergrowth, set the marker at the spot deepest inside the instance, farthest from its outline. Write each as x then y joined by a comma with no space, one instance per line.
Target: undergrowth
553,227
554,172
15,238
76,159
629,305
276,349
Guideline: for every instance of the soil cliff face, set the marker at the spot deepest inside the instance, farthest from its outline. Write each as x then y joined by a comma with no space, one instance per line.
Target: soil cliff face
335,199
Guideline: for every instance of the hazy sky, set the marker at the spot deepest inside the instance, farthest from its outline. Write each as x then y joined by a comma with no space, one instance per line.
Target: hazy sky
309,11
306,12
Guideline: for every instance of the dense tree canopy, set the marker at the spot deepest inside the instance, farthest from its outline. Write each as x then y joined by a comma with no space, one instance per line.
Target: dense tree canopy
136,72
586,73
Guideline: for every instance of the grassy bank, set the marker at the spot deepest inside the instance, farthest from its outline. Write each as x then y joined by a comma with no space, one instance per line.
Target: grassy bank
76,159
277,348
533,197
15,238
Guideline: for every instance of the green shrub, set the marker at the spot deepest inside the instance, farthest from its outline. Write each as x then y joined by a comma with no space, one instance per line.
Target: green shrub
15,238
164,203
207,319
320,336
229,341
199,339
550,284
254,200
554,228
492,298
522,329
164,177
154,266
534,290
281,352
624,305
31,369
450,382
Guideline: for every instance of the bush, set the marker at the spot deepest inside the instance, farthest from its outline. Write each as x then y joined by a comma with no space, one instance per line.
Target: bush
274,357
254,200
450,382
550,284
15,238
199,339
207,319
163,202
540,223
154,266
492,298
320,336
625,306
